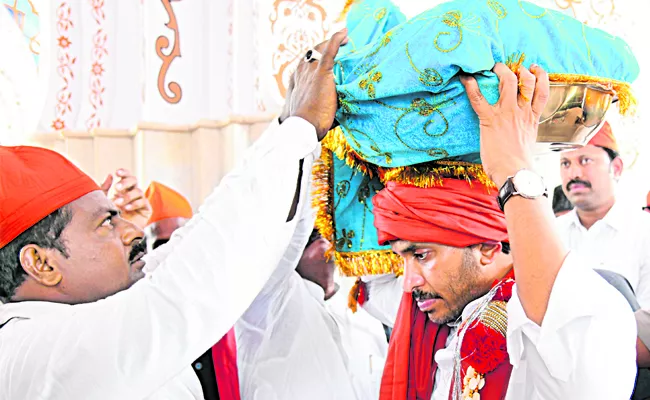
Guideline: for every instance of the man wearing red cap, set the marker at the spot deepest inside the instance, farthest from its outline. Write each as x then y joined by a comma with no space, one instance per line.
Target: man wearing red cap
78,322
464,329
612,234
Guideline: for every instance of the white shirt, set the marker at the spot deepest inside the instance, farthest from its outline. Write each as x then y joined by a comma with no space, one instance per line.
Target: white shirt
139,343
294,345
585,348
620,242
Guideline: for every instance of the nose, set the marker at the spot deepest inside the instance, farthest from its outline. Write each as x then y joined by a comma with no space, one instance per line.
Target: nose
130,232
413,278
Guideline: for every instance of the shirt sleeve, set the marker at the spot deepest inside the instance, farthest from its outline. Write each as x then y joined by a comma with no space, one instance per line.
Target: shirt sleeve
132,343
384,295
643,287
586,345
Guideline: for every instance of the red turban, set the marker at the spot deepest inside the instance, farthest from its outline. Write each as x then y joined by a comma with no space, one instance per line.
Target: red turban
455,214
166,203
605,138
34,182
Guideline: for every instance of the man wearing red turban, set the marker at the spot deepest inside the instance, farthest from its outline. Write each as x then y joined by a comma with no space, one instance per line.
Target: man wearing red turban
77,321
464,329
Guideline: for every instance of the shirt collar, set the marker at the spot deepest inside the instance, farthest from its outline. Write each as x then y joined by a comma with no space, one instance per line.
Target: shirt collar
315,291
29,309
614,218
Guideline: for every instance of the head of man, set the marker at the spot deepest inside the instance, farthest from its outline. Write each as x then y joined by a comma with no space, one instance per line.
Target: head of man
589,174
61,239
170,211
315,267
452,238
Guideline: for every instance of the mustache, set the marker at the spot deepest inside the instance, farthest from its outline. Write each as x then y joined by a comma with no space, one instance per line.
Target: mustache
577,181
138,249
420,295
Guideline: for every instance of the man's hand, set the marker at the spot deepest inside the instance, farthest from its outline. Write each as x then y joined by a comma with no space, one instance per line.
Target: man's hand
312,92
509,128
129,198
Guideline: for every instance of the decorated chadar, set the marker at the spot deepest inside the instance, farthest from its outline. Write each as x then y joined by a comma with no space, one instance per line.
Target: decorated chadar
404,115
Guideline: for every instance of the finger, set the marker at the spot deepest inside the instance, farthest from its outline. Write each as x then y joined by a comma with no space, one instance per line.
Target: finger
123,173
138,204
106,186
332,48
476,99
507,84
526,86
542,90
126,184
123,199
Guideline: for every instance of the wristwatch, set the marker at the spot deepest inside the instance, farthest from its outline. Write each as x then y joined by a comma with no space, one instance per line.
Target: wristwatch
524,183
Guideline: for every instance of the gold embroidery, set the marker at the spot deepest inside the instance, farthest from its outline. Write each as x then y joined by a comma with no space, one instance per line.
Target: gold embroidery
499,10
429,76
344,239
379,14
345,102
368,84
451,19
531,15
496,316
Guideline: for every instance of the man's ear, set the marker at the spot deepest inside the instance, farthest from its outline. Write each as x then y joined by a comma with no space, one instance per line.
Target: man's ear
617,167
489,252
38,263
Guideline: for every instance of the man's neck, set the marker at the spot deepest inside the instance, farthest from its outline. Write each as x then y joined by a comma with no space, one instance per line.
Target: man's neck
589,217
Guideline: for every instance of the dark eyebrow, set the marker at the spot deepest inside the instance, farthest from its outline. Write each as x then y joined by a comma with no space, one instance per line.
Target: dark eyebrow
113,212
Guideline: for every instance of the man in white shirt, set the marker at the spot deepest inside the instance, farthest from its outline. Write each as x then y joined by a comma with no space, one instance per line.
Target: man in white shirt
613,235
300,340
464,328
77,319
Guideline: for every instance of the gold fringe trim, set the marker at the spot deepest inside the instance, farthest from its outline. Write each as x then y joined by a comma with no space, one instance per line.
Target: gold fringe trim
626,100
431,174
323,196
353,296
336,142
370,262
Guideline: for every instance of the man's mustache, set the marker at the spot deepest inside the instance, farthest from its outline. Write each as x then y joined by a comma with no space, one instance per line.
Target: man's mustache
139,248
420,295
579,182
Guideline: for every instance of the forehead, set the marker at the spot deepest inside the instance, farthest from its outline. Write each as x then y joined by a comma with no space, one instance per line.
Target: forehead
404,246
589,150
90,206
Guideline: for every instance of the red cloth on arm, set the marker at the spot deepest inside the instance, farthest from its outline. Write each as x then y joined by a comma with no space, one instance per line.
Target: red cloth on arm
224,357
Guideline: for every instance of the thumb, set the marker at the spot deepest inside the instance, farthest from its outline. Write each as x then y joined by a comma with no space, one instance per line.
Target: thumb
106,186
336,41
476,99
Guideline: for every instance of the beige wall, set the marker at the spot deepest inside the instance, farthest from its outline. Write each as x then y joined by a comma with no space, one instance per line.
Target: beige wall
190,158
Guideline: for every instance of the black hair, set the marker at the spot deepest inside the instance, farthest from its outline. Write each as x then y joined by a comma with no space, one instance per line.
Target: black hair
46,234
611,153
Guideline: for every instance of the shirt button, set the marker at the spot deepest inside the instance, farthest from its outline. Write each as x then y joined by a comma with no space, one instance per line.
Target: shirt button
198,366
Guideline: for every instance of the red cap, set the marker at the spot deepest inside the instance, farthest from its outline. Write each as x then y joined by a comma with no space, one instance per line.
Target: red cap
167,203
605,138
34,182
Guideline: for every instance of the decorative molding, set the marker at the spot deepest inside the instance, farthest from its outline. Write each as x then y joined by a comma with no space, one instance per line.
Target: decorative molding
162,42
65,63
98,54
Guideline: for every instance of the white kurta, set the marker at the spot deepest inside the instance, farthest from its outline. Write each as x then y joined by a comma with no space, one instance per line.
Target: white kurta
131,344
620,242
585,348
294,345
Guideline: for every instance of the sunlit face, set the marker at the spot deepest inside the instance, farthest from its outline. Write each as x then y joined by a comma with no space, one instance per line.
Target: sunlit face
104,251
443,279
589,177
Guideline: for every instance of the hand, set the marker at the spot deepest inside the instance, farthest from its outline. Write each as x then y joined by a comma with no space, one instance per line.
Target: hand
509,128
313,96
129,198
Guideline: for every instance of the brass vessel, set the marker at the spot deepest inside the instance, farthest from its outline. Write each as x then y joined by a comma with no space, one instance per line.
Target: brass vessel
573,115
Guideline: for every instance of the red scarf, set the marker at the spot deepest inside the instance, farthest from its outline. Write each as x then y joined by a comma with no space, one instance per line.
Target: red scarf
224,356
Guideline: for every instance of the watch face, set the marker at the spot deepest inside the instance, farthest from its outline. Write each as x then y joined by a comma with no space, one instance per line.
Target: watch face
529,184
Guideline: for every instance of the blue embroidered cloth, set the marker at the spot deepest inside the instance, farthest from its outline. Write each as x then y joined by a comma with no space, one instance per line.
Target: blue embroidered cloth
401,102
